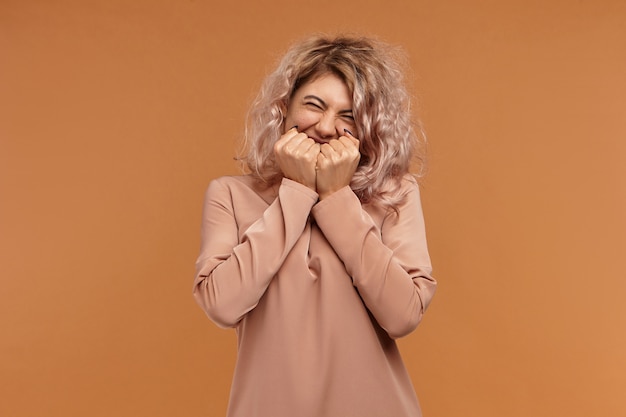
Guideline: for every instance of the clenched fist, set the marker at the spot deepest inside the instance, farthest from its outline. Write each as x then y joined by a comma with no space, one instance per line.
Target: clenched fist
297,156
336,163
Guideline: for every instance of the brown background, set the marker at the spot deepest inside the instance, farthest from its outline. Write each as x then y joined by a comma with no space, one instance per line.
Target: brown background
114,115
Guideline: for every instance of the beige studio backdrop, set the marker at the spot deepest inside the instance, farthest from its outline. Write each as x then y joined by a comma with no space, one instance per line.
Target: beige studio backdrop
115,115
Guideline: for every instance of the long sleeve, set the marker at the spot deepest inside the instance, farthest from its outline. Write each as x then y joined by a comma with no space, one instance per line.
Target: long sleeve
236,266
389,266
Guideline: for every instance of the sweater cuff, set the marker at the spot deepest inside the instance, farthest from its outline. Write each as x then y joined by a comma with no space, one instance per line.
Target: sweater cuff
337,201
286,182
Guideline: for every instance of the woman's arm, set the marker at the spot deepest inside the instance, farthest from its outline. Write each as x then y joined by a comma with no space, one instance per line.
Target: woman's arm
390,267
233,274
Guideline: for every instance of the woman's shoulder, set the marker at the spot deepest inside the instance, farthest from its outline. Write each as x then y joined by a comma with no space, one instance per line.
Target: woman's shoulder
408,184
233,180
238,184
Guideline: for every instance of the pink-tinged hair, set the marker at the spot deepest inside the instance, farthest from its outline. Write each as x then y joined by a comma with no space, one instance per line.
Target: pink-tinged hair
391,141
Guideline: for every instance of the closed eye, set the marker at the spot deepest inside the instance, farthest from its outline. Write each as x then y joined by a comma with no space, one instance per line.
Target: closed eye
312,104
315,101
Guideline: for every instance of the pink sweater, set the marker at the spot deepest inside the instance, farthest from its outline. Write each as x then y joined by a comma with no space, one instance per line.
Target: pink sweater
317,292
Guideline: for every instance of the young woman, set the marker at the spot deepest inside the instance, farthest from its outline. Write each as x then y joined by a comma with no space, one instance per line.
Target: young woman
317,256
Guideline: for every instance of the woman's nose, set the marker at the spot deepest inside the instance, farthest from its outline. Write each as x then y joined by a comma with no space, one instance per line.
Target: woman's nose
327,126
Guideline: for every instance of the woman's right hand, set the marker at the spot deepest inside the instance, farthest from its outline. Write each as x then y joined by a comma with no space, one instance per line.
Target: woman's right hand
296,155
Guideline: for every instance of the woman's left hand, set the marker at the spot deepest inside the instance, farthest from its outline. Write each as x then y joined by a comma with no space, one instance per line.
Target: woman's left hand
336,164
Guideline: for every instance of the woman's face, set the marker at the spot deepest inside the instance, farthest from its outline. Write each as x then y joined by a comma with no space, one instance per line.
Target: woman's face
322,109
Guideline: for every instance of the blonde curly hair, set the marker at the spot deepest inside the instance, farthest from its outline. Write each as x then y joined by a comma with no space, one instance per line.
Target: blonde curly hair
390,140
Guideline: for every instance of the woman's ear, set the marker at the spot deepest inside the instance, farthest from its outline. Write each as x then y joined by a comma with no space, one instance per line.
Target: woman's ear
282,107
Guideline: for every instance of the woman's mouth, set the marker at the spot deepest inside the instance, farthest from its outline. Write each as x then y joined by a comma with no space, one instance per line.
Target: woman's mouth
320,141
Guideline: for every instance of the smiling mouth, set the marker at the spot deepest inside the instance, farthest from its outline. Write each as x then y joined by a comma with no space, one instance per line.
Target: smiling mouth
320,141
